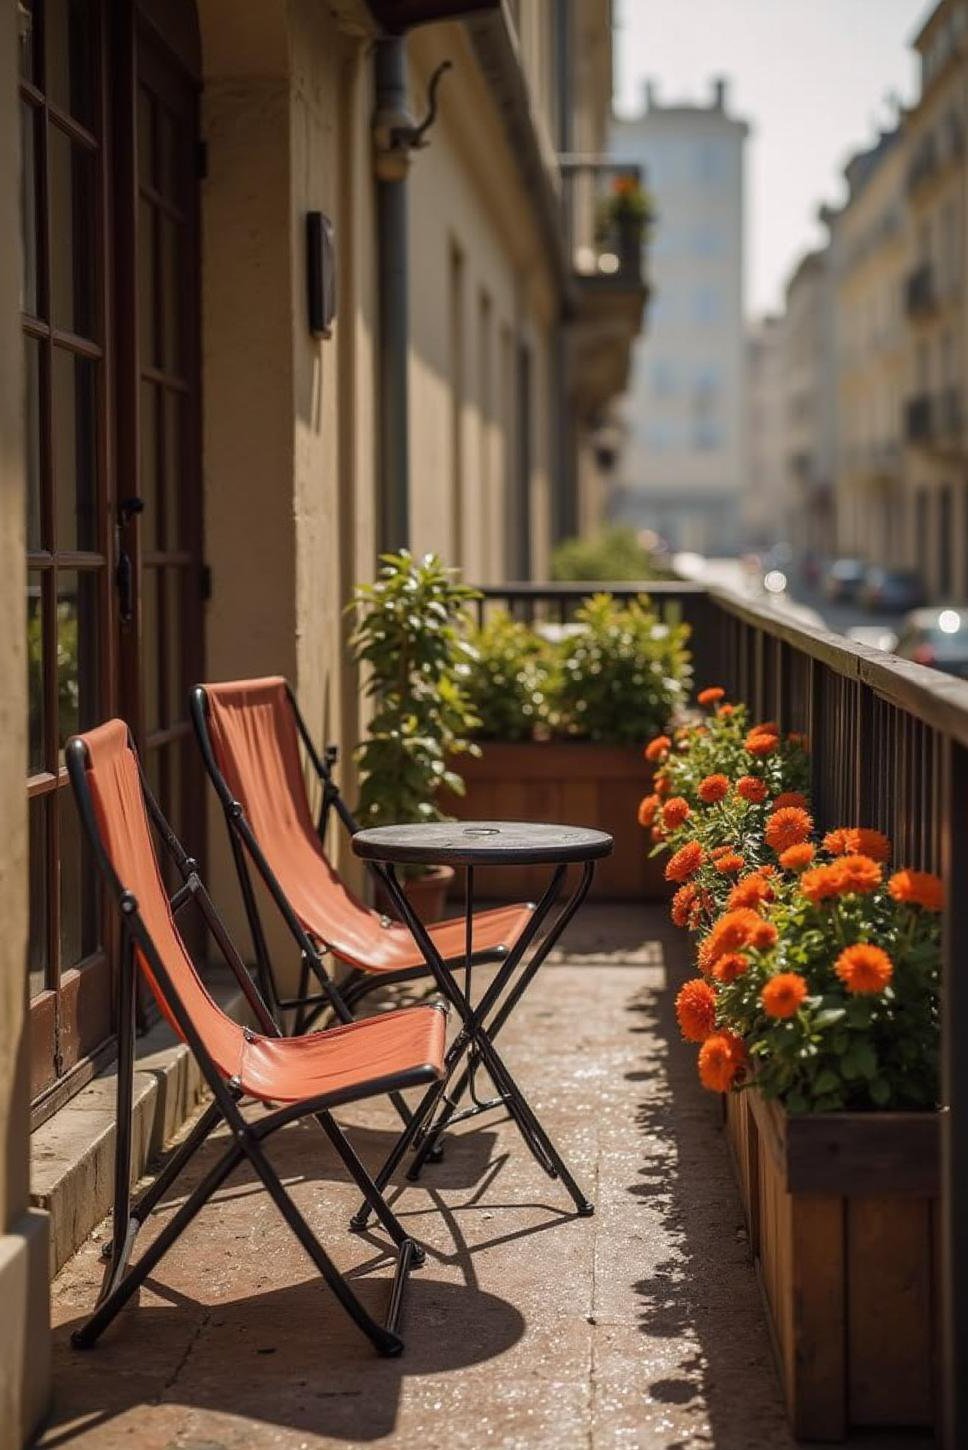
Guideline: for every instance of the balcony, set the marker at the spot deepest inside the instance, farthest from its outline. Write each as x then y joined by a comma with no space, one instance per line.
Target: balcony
920,292
919,419
924,165
608,250
936,421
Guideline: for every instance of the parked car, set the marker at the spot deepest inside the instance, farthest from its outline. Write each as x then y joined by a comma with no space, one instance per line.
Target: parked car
937,636
843,579
896,591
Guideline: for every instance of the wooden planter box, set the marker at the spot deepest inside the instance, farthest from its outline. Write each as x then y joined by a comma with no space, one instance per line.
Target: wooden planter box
842,1212
572,784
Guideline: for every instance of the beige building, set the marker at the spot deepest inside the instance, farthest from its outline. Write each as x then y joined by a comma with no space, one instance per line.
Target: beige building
874,246
809,383
683,465
766,500
252,333
936,455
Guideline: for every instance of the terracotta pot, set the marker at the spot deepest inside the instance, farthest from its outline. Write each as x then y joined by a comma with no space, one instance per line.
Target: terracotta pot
427,894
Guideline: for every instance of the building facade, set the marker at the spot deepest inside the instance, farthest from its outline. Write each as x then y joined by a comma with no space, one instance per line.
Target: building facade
200,454
765,505
810,389
683,463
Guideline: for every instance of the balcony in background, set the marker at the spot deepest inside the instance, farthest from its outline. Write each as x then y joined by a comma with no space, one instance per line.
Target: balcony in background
921,293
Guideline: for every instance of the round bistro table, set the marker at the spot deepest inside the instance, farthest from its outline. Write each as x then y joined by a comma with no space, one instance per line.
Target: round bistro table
470,844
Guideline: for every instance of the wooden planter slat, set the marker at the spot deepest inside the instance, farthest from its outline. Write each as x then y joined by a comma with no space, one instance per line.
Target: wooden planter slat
576,784
841,1209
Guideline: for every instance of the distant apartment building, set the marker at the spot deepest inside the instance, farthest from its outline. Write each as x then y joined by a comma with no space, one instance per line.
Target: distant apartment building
874,260
810,400
682,469
765,502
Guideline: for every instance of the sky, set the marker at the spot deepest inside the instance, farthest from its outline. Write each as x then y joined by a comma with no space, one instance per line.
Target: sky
812,77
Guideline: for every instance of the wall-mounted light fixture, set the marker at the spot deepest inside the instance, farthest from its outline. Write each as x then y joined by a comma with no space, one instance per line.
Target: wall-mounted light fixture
320,273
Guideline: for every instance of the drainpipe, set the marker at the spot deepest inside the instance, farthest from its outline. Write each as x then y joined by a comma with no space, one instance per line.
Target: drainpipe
565,505
395,136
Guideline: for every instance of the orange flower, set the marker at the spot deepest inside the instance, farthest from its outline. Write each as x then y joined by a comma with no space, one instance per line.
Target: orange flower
730,966
919,888
682,904
675,811
685,862
733,930
820,884
864,968
857,840
704,957
760,744
658,748
696,1010
789,798
782,994
796,738
661,784
719,851
726,711
751,789
648,806
856,874
788,827
713,788
730,863
751,891
722,1058
763,936
797,858
711,696
765,727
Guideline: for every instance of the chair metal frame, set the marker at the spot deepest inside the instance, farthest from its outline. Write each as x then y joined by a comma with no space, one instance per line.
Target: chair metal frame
247,1139
345,999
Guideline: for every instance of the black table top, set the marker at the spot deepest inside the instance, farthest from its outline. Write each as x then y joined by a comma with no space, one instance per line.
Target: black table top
481,843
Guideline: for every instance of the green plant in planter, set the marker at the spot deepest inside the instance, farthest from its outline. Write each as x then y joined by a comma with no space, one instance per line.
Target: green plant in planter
623,672
512,681
410,636
614,554
628,206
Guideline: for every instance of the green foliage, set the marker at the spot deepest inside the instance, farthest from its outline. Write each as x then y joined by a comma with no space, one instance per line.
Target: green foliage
511,686
622,671
410,637
613,554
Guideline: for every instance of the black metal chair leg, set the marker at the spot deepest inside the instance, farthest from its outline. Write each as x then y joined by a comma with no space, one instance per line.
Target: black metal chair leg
368,1188
89,1333
424,1110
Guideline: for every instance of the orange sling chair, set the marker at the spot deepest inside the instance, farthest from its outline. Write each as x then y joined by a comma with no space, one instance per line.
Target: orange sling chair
250,733
295,1076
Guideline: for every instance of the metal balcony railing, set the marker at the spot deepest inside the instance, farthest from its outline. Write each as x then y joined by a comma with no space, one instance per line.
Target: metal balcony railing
602,202
920,293
919,421
889,748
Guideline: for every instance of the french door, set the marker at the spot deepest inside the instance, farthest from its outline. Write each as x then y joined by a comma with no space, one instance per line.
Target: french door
114,604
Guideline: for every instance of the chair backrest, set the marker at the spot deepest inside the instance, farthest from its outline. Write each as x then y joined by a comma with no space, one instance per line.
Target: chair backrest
254,738
113,779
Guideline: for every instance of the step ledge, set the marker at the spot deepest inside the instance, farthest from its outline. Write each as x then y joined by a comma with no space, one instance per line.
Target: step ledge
72,1154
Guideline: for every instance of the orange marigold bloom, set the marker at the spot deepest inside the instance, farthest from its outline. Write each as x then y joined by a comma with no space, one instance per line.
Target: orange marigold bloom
782,994
722,1058
696,1010
675,811
685,862
920,888
713,788
751,891
765,727
789,798
795,737
704,957
751,789
711,696
761,744
820,883
648,806
857,841
682,904
658,748
864,968
856,874
726,710
797,858
788,827
733,930
730,863
719,851
661,784
730,966
763,936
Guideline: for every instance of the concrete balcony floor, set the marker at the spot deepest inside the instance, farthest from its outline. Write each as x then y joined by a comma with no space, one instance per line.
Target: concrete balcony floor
641,1327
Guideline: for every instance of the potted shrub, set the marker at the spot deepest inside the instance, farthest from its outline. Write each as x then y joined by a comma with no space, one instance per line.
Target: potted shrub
563,716
623,220
410,637
816,1014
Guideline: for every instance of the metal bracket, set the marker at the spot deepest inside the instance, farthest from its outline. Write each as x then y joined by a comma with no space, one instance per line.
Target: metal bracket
396,135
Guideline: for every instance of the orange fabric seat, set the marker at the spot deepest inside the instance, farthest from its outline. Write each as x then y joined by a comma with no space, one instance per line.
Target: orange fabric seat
256,746
272,1069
